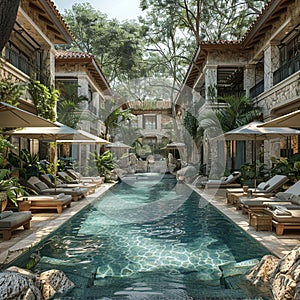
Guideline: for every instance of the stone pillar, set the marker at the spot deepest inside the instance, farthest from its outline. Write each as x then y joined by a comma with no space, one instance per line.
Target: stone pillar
249,78
83,90
271,63
211,83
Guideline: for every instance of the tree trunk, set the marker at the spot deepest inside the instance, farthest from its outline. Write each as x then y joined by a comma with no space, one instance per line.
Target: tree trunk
8,14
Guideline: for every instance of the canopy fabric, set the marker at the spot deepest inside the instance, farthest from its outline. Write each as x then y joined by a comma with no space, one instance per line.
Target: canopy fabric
289,120
62,132
117,145
175,145
253,131
14,117
92,139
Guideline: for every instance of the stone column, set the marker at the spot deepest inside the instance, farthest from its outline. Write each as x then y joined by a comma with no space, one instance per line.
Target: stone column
83,90
249,78
271,63
211,83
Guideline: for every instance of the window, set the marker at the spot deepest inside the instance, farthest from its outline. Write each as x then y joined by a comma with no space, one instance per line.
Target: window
149,122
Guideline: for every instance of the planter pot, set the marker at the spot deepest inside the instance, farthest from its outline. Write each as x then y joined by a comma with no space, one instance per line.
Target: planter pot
3,200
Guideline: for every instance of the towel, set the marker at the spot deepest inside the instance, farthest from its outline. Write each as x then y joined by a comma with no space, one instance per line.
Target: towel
282,211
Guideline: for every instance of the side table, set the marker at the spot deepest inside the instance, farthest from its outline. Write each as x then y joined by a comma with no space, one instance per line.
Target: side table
260,220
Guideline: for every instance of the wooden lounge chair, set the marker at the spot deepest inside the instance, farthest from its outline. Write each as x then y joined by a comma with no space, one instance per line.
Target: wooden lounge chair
10,221
41,202
42,189
267,189
280,198
91,179
60,184
224,182
283,218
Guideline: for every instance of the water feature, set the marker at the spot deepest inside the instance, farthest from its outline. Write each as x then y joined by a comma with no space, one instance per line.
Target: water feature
149,238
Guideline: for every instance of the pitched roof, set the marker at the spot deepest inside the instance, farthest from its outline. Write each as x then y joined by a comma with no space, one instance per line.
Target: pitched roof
68,57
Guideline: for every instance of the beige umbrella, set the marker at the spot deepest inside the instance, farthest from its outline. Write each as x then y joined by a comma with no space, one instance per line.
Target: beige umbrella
51,134
253,131
90,139
289,120
14,117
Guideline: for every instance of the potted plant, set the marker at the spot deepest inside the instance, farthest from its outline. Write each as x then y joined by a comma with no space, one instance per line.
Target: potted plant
10,189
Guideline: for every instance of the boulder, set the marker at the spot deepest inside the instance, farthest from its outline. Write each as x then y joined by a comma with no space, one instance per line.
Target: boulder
18,283
15,285
280,276
54,281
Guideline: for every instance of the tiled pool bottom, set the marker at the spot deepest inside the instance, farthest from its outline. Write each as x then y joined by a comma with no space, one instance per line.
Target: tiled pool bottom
142,241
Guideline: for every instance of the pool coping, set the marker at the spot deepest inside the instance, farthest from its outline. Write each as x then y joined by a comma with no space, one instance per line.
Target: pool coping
277,245
43,224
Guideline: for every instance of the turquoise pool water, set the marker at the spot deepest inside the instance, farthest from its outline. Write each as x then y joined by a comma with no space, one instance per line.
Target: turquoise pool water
149,238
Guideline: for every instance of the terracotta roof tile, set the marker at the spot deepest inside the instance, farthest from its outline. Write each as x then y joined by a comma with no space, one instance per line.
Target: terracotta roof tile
66,54
60,18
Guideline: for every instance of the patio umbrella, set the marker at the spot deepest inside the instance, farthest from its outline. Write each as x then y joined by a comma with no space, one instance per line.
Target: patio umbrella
252,131
289,120
51,134
91,139
14,117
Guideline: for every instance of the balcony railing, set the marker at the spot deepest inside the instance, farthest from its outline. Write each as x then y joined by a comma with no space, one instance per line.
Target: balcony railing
257,89
22,63
287,69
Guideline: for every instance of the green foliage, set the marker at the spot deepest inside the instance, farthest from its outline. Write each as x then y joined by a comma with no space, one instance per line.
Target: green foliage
117,46
8,183
104,163
10,91
69,104
289,167
239,111
44,99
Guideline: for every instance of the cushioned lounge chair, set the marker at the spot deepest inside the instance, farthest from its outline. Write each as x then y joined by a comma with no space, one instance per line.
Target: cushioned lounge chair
92,179
42,189
284,218
60,184
10,221
224,182
280,198
267,188
41,202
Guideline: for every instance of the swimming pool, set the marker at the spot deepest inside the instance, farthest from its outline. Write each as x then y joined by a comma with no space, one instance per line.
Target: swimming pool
148,238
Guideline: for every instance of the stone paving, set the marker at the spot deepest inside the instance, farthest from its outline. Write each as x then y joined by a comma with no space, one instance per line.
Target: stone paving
45,222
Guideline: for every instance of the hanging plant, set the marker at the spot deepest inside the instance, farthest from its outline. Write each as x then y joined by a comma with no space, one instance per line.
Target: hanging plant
44,99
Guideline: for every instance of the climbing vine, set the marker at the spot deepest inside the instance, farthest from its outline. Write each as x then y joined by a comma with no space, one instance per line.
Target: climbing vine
44,99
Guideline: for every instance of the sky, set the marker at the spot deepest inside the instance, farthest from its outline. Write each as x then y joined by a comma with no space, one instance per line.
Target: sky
119,9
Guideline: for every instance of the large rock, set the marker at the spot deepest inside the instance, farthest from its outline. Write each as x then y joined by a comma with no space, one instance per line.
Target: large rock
280,276
14,285
17,283
54,281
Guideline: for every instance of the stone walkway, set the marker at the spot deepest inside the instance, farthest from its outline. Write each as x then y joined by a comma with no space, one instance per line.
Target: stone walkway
45,223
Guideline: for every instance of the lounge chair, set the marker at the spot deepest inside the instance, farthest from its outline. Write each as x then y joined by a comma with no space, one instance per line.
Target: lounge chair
280,198
224,182
10,221
90,179
41,202
284,218
41,188
267,189
60,184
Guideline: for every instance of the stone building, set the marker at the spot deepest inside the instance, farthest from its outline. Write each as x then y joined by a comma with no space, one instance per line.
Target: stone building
83,71
264,66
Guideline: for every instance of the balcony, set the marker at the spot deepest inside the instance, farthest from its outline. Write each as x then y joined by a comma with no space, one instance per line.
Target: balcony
287,69
257,89
22,63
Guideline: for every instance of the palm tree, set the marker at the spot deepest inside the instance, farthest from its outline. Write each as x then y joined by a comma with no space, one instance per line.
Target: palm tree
114,119
69,104
239,112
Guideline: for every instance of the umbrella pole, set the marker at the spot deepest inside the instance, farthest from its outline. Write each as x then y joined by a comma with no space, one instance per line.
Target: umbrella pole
254,151
55,164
